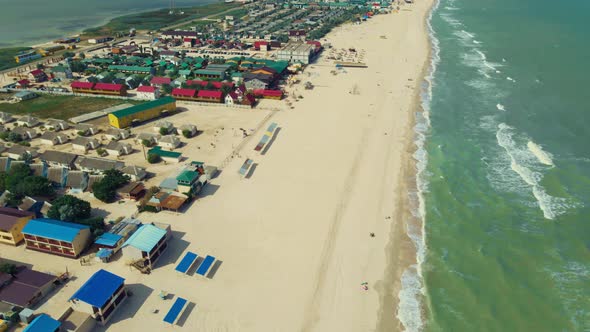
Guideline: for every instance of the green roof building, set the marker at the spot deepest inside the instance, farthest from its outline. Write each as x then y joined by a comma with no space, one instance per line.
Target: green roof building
143,112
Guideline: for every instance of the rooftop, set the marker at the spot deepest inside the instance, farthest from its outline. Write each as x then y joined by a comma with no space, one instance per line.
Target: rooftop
143,107
99,288
43,323
53,229
108,239
9,217
145,238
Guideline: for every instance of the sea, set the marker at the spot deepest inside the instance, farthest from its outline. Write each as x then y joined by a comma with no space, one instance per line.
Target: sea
30,22
503,155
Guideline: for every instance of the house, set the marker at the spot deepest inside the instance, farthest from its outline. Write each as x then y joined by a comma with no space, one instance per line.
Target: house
257,81
170,142
43,323
186,180
115,148
211,73
110,89
167,55
87,129
25,133
265,70
109,241
5,164
132,190
149,138
26,288
56,237
188,130
100,296
77,180
17,152
167,126
51,138
262,45
135,173
92,179
100,40
148,92
38,76
232,99
12,222
269,94
5,118
39,169
143,112
168,156
82,87
57,125
62,72
296,52
146,245
84,144
28,121
210,96
97,165
158,81
24,95
115,134
57,176
23,84
58,158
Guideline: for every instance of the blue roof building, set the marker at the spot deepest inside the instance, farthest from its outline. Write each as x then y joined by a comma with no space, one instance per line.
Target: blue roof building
56,237
108,240
100,295
146,244
43,323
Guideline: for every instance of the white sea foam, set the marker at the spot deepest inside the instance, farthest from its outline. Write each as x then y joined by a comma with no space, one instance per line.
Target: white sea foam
544,157
450,20
510,79
523,162
475,58
476,42
500,107
410,310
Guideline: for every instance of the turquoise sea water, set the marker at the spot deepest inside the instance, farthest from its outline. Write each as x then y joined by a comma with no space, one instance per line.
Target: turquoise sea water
27,22
507,182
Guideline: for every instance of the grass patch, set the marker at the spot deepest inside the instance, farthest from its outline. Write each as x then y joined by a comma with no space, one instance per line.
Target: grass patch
236,13
60,107
7,56
156,19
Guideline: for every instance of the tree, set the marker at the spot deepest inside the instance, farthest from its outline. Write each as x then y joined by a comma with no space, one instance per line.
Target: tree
82,55
226,88
8,268
166,88
14,137
4,135
77,66
106,189
163,131
37,186
3,178
146,142
187,133
14,199
69,55
153,158
69,208
40,66
16,175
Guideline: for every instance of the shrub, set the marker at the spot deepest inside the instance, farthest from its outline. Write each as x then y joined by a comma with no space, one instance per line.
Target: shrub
146,143
163,131
187,133
153,158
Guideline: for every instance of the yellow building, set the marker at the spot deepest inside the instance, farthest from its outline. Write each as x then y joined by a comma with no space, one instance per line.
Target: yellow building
12,222
142,112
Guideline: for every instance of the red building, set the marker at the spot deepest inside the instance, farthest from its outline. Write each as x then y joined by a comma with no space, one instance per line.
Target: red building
159,81
38,75
214,84
183,94
110,89
210,96
262,45
82,87
269,94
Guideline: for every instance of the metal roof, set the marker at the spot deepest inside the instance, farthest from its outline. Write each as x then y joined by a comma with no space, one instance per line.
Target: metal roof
99,288
43,323
108,239
143,107
145,238
163,153
53,229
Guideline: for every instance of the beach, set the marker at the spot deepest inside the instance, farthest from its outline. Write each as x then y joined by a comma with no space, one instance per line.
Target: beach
294,237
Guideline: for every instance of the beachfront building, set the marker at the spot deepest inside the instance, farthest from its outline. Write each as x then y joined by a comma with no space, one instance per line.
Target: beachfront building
100,40
183,94
210,96
27,56
296,52
168,156
58,159
97,165
268,94
82,87
148,92
110,89
56,237
100,296
146,245
12,222
143,112
43,323
179,34
186,180
189,129
26,287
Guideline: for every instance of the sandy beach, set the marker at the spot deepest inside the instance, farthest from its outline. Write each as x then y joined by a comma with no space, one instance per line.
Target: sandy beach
294,238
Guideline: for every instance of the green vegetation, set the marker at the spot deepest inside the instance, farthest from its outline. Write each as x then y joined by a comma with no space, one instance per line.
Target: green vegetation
69,208
153,158
186,133
236,13
7,56
106,189
163,131
20,182
156,19
8,268
60,107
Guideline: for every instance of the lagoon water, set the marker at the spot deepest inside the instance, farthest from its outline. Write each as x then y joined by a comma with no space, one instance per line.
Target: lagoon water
507,181
27,22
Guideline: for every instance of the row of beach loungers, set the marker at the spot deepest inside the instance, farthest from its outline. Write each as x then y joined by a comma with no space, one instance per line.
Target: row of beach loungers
189,259
259,148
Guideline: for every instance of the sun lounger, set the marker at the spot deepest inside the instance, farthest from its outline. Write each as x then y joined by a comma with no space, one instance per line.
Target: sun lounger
186,262
245,166
271,128
262,142
171,316
207,262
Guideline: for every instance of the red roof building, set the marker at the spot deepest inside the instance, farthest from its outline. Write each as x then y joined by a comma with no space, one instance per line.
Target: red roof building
110,89
146,88
317,45
183,93
160,80
38,75
262,44
77,86
215,84
210,96
269,94
23,83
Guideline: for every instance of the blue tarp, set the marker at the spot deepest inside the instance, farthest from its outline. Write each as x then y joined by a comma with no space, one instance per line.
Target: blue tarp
175,310
186,262
99,288
104,253
205,265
